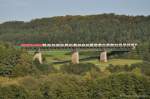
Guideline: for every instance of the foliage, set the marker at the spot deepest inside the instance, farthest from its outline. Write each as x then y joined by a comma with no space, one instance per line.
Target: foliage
104,28
120,68
9,56
120,86
79,69
13,92
145,68
144,50
6,70
64,86
17,62
44,68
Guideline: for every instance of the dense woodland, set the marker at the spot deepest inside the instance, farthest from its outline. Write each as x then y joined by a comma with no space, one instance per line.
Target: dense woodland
23,78
104,28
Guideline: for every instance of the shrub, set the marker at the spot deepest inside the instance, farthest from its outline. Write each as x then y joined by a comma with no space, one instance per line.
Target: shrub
121,68
44,68
145,68
32,85
120,86
24,70
79,69
6,70
60,86
13,92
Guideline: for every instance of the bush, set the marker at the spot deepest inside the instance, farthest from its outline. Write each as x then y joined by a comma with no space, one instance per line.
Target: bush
120,86
14,62
125,68
145,68
70,86
44,68
79,69
32,85
6,70
13,92
61,86
24,70
119,68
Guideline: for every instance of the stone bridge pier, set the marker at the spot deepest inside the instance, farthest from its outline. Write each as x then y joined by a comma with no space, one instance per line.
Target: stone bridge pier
103,56
75,57
38,56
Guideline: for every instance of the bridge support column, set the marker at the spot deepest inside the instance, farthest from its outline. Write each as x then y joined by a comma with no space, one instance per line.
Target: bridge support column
75,57
103,56
38,56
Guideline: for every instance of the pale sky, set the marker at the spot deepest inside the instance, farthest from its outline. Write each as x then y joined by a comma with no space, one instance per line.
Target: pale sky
26,10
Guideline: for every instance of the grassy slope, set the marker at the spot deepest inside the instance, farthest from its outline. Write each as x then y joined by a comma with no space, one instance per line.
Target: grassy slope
102,65
57,56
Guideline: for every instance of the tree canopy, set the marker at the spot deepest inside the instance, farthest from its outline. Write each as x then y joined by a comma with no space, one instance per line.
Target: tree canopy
104,28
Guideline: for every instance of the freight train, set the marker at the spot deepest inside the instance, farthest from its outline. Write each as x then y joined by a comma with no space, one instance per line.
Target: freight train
81,45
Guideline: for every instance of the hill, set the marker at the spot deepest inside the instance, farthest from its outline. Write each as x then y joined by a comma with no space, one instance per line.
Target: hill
78,29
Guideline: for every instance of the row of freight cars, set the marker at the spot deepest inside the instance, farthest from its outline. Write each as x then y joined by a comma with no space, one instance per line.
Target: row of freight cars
81,45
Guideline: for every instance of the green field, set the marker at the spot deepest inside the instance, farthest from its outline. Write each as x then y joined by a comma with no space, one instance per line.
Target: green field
103,65
60,56
64,55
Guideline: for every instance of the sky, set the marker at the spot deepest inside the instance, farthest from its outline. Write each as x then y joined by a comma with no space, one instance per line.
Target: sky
26,10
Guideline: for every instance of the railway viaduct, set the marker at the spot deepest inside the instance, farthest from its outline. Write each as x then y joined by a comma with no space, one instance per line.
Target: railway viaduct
102,48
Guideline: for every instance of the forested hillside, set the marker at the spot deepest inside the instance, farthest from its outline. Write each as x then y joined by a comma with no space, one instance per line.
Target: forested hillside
78,29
